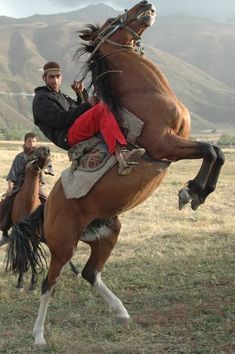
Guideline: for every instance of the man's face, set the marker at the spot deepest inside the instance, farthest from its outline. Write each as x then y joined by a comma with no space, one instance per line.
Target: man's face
31,143
53,80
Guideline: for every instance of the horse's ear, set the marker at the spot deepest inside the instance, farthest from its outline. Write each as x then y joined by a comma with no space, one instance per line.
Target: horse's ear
89,34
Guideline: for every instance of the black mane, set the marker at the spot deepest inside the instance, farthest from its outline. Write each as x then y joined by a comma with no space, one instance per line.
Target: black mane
98,68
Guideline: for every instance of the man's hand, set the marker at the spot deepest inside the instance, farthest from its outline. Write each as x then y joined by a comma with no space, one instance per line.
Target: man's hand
77,86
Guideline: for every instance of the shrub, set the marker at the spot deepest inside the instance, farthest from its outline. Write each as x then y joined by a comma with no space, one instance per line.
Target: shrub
18,133
226,140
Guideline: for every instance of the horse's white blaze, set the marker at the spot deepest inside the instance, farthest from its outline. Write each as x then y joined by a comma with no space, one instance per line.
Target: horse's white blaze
114,303
38,330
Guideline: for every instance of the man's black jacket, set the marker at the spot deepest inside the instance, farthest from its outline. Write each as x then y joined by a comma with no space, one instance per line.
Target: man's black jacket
55,112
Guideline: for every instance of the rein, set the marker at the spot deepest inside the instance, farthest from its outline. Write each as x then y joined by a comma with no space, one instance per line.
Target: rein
106,55
31,160
124,47
103,37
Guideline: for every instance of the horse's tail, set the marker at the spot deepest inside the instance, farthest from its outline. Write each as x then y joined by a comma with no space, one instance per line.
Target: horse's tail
24,248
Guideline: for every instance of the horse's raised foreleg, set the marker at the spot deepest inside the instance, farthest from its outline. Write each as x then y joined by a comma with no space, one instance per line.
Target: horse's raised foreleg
175,148
48,285
212,179
195,188
101,249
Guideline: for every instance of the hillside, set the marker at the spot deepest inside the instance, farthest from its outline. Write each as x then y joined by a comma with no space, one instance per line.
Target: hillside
204,95
204,82
206,44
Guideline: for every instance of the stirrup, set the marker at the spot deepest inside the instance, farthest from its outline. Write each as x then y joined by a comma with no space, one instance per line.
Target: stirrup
124,171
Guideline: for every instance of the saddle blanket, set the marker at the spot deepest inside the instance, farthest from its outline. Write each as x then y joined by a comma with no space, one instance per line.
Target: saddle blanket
78,183
91,160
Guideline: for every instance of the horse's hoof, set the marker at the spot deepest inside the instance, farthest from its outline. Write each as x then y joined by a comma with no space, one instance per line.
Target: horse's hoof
39,340
184,197
18,286
196,202
32,289
122,321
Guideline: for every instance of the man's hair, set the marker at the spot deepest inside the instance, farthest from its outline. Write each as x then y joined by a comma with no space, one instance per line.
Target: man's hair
29,135
50,66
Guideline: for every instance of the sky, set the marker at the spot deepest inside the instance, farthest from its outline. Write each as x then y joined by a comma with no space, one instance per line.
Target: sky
219,9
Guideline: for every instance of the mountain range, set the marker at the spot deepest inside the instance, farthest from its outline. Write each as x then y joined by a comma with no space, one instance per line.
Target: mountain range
197,56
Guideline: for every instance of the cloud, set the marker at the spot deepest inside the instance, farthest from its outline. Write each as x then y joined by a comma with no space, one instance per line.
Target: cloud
74,3
201,8
24,8
217,9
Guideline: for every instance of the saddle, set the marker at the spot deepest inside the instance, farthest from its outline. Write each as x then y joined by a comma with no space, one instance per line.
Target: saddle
89,155
91,159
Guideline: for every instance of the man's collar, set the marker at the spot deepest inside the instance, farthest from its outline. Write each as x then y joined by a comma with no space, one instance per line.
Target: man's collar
49,88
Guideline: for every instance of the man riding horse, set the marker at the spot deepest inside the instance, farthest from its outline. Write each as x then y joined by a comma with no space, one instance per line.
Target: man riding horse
67,122
15,179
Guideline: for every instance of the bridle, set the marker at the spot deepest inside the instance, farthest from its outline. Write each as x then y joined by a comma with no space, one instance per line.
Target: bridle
31,160
118,22
104,37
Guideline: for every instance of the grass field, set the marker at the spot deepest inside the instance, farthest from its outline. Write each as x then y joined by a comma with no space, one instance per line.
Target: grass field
173,270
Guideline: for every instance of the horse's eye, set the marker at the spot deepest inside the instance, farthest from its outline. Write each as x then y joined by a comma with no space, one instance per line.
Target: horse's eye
111,20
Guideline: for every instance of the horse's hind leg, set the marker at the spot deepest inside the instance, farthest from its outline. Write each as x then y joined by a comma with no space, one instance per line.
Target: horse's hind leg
74,268
48,285
20,281
211,181
33,281
101,249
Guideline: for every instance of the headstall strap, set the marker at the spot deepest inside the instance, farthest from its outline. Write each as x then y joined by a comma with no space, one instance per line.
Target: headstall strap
30,163
136,36
124,17
112,28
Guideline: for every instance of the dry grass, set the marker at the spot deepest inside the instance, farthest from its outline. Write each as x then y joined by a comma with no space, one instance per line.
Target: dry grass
173,270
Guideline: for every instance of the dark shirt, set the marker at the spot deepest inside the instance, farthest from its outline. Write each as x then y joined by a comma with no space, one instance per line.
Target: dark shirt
18,169
55,112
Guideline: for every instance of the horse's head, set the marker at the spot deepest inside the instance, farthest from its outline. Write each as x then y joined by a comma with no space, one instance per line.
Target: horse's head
37,159
123,30
115,35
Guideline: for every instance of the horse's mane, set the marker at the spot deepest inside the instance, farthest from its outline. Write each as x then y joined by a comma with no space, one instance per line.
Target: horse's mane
98,67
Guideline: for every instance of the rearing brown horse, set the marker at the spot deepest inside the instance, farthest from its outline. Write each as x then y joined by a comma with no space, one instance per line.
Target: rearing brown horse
122,77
